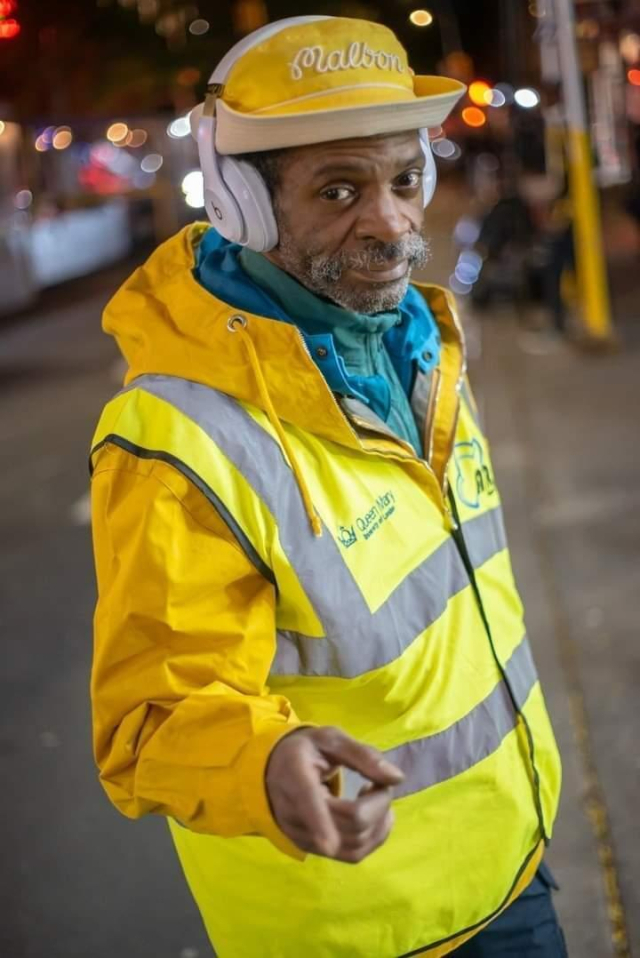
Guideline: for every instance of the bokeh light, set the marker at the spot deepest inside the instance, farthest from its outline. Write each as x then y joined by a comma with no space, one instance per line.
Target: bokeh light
633,76
193,189
495,98
117,132
526,97
421,18
473,116
23,199
179,127
468,267
136,138
458,287
467,231
444,148
9,29
479,91
630,47
62,138
151,163
199,27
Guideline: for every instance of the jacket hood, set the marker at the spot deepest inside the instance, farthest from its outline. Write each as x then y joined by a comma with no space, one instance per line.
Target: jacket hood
166,323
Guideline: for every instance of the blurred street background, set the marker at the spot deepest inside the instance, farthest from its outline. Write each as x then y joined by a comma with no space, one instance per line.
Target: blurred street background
536,228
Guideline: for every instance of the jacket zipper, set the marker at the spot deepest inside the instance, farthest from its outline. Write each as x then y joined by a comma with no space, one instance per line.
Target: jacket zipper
461,545
333,399
408,451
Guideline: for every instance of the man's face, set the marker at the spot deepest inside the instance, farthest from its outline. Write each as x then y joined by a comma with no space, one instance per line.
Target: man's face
349,218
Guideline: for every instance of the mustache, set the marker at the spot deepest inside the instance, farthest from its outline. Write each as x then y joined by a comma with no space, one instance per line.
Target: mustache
414,248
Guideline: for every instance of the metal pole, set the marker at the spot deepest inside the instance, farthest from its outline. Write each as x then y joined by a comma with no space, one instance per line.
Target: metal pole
590,261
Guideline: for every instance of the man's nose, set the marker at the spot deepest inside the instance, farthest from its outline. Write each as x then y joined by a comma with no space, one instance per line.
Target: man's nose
383,218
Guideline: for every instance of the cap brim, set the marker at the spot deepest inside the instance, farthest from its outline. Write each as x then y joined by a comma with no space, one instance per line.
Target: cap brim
248,133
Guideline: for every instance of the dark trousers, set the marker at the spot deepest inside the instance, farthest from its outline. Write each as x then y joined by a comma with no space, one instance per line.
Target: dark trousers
527,929
560,256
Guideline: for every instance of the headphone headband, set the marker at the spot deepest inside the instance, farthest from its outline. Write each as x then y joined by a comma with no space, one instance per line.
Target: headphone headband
236,198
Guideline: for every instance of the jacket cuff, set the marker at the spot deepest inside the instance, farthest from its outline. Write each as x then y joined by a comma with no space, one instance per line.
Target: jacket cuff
251,768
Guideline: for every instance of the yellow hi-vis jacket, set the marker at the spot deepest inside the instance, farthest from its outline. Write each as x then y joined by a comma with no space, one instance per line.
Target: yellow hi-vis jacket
267,556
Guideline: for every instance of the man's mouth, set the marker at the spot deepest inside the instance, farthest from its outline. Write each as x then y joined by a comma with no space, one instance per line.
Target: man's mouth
384,273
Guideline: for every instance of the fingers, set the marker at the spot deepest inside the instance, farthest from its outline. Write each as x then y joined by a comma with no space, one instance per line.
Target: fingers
343,750
352,849
307,812
310,803
355,848
360,816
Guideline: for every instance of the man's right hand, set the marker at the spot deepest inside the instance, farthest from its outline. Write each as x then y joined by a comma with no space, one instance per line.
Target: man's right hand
316,821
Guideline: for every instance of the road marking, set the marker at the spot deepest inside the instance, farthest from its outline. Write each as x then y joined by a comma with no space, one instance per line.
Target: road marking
49,739
80,511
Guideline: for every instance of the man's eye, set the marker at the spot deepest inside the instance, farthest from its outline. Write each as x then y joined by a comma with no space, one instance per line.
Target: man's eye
410,180
337,194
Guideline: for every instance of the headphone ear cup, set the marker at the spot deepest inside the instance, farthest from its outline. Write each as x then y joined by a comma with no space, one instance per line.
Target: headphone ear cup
259,227
430,174
220,205
223,212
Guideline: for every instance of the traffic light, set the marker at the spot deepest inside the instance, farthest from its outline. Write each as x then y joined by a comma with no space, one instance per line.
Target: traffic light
9,26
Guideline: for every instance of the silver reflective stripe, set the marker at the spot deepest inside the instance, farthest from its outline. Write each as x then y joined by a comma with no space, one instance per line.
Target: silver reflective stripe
353,407
436,758
420,396
260,460
366,640
377,638
521,672
467,398
484,536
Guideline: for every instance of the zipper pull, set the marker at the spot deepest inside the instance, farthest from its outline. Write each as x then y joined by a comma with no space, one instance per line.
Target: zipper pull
453,525
446,501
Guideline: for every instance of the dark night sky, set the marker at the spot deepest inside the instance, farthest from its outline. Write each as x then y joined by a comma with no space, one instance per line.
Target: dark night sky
86,58
478,21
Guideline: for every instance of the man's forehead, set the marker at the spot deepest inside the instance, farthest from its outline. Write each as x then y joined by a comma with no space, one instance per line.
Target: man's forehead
358,149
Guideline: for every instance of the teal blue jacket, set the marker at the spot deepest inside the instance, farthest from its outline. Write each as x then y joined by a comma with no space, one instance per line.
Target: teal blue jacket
370,357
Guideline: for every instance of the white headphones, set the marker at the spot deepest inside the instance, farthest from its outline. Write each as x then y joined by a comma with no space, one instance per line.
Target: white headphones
236,197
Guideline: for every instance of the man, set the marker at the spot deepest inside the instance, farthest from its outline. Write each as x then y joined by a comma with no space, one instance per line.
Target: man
310,653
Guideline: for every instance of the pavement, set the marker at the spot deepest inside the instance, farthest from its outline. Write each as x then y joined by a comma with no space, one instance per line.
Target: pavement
79,881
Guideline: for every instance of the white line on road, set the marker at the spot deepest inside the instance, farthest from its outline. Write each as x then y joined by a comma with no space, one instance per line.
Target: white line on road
80,511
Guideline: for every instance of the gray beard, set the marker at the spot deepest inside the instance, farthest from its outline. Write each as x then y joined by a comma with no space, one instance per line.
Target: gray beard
324,274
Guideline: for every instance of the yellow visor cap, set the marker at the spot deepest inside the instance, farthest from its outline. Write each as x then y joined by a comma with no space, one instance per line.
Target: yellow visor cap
326,80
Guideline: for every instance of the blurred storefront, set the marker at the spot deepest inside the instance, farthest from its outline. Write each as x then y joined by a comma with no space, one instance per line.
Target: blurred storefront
77,196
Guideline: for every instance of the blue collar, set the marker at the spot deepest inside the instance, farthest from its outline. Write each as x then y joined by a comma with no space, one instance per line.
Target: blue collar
414,340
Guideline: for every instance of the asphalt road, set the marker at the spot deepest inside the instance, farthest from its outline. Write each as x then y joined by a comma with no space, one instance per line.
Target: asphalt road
77,880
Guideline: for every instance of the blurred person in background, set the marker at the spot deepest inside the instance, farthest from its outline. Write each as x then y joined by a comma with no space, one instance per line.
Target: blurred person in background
309,649
505,240
558,260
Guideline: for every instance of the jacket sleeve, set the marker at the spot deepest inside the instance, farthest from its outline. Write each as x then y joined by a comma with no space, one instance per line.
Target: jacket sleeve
184,640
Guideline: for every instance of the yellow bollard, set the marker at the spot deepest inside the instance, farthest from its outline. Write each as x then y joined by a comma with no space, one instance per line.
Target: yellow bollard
587,230
590,260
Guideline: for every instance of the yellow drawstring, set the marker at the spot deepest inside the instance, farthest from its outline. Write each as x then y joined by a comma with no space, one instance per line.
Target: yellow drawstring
237,324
